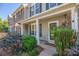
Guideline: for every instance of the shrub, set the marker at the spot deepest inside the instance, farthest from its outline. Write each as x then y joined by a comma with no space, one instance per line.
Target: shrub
62,38
28,42
33,52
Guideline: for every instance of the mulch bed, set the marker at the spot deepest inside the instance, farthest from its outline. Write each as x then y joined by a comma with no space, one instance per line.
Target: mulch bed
7,51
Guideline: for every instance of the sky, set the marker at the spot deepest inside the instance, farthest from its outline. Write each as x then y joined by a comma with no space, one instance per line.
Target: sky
7,8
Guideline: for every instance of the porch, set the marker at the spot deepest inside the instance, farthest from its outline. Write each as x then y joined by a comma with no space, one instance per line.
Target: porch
41,26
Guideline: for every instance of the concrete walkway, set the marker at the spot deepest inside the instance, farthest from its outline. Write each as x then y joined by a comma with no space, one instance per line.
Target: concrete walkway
48,50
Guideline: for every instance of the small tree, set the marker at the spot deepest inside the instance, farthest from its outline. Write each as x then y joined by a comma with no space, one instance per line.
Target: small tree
62,38
5,25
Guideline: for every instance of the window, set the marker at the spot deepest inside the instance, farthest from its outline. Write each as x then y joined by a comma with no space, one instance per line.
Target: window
59,3
38,8
47,6
22,13
18,15
32,10
14,18
40,30
50,5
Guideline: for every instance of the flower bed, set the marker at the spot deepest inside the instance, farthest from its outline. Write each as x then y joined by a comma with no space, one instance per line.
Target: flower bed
11,45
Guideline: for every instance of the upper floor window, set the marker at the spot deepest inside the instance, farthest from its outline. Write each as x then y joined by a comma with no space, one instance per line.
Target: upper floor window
59,3
37,8
14,18
18,15
32,10
22,12
50,5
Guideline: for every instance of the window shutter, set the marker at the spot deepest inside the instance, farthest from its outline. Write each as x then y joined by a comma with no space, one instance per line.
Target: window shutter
40,7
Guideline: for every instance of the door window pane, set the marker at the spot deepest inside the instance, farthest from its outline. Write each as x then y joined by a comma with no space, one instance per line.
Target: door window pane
33,29
52,26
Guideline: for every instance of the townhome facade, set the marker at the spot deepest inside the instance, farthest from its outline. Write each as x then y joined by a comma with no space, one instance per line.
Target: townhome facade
38,19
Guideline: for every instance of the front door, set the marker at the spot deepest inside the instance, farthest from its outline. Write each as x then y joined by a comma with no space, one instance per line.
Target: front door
52,25
33,29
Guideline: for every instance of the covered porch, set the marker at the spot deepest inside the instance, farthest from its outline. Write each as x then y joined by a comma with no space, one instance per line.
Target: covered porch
41,27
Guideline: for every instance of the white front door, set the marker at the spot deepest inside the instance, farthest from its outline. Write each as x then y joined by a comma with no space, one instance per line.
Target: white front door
51,26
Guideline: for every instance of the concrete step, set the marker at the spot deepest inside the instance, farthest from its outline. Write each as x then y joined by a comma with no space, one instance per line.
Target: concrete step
48,50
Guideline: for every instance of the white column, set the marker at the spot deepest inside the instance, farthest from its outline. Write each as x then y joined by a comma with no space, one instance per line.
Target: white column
74,19
21,29
37,31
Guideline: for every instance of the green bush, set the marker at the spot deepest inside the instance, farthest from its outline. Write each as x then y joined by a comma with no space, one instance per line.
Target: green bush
62,38
28,42
33,53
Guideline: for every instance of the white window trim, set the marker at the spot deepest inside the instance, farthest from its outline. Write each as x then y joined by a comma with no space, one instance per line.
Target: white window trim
49,28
